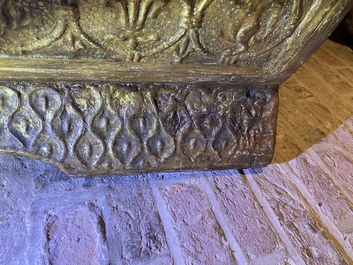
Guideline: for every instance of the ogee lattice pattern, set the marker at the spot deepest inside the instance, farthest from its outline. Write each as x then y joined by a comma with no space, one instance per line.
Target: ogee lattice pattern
123,86
112,128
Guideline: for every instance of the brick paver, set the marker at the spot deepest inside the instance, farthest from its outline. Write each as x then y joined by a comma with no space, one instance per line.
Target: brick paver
296,211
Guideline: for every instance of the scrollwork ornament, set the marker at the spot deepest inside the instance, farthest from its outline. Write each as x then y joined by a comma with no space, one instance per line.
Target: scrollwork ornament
145,30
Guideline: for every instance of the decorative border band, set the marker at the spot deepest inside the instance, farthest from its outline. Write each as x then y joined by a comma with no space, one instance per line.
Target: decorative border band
113,128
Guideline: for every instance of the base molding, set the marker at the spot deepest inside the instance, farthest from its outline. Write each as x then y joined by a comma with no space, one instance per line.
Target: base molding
114,128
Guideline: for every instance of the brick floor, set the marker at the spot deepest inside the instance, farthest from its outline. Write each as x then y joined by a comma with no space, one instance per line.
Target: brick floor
298,210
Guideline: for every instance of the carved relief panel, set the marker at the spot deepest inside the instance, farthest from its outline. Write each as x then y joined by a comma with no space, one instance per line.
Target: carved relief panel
169,31
124,86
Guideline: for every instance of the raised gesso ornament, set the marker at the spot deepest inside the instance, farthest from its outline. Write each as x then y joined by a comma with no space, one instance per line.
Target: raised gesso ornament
101,87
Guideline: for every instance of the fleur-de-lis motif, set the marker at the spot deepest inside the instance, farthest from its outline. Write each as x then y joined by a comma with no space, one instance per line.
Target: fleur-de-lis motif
246,31
193,15
196,9
133,15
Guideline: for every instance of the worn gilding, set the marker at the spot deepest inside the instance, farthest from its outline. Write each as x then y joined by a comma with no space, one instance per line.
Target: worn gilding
122,86
91,129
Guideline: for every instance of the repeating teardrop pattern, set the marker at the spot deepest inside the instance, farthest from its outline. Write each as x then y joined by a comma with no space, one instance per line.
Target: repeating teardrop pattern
46,103
9,102
91,129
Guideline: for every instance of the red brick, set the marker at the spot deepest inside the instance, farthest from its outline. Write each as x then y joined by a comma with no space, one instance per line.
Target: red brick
74,237
13,232
346,74
341,52
323,191
15,199
304,121
327,58
343,136
136,225
245,216
320,86
286,147
301,226
331,78
201,238
340,165
350,123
